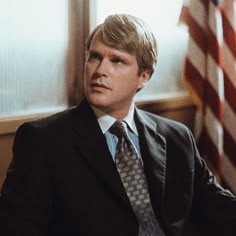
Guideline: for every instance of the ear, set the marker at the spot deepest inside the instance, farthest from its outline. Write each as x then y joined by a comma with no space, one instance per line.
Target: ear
144,78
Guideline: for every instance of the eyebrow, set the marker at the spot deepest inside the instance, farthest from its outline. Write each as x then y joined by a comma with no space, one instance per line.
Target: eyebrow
94,52
116,55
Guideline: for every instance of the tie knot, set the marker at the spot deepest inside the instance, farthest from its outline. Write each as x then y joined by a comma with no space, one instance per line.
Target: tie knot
119,129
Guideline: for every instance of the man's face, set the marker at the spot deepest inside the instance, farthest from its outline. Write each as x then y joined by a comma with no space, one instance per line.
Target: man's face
111,78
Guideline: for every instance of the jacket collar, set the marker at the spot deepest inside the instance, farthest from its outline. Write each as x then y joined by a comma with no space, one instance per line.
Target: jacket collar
153,144
92,147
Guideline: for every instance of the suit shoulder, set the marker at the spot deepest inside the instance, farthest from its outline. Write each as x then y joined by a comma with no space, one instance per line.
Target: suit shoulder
166,127
163,122
54,121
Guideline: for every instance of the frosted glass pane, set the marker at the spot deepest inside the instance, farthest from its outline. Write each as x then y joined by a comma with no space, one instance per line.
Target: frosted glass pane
167,79
33,52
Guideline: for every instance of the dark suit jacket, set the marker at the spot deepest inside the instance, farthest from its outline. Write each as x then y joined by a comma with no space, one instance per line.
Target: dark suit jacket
63,181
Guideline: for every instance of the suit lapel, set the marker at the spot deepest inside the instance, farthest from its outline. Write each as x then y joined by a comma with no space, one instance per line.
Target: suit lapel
153,149
91,145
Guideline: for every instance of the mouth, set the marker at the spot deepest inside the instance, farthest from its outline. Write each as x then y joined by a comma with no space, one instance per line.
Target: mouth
99,86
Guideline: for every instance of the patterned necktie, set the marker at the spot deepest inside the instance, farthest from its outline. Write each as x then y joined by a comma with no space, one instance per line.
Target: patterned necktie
133,178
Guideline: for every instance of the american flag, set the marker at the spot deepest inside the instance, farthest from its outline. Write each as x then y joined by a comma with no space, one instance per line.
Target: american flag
210,76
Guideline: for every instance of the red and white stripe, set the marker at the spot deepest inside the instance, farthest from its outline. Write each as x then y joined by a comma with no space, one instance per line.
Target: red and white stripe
209,73
229,69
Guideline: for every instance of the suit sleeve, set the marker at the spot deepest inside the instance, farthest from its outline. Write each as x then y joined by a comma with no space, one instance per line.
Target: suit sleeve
213,206
25,196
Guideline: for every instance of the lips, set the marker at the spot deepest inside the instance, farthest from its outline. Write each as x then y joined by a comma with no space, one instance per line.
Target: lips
97,85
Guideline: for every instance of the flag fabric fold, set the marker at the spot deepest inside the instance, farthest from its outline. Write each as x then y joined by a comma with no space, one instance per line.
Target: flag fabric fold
210,76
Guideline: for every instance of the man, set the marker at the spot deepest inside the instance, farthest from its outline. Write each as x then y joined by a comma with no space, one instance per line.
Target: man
64,178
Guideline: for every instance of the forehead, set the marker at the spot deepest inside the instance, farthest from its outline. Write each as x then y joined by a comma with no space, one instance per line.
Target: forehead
98,39
98,43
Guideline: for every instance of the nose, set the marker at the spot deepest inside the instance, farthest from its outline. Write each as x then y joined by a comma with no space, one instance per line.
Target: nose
102,68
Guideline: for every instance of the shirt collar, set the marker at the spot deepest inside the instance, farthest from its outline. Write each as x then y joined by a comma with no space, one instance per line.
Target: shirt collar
106,121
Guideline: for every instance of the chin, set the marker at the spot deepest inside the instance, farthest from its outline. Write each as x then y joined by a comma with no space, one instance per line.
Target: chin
98,101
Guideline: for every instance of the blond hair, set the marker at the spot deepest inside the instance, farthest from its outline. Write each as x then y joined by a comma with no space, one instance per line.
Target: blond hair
131,34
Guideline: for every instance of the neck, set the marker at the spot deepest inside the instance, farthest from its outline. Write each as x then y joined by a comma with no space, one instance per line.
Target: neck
119,115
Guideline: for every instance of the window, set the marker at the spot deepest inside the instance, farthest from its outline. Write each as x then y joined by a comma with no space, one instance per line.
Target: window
163,17
33,52
36,42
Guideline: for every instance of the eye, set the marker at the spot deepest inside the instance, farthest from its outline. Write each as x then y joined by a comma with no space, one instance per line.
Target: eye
117,60
94,56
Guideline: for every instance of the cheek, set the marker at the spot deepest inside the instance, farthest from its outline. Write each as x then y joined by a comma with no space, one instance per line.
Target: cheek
127,87
87,73
86,70
86,80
